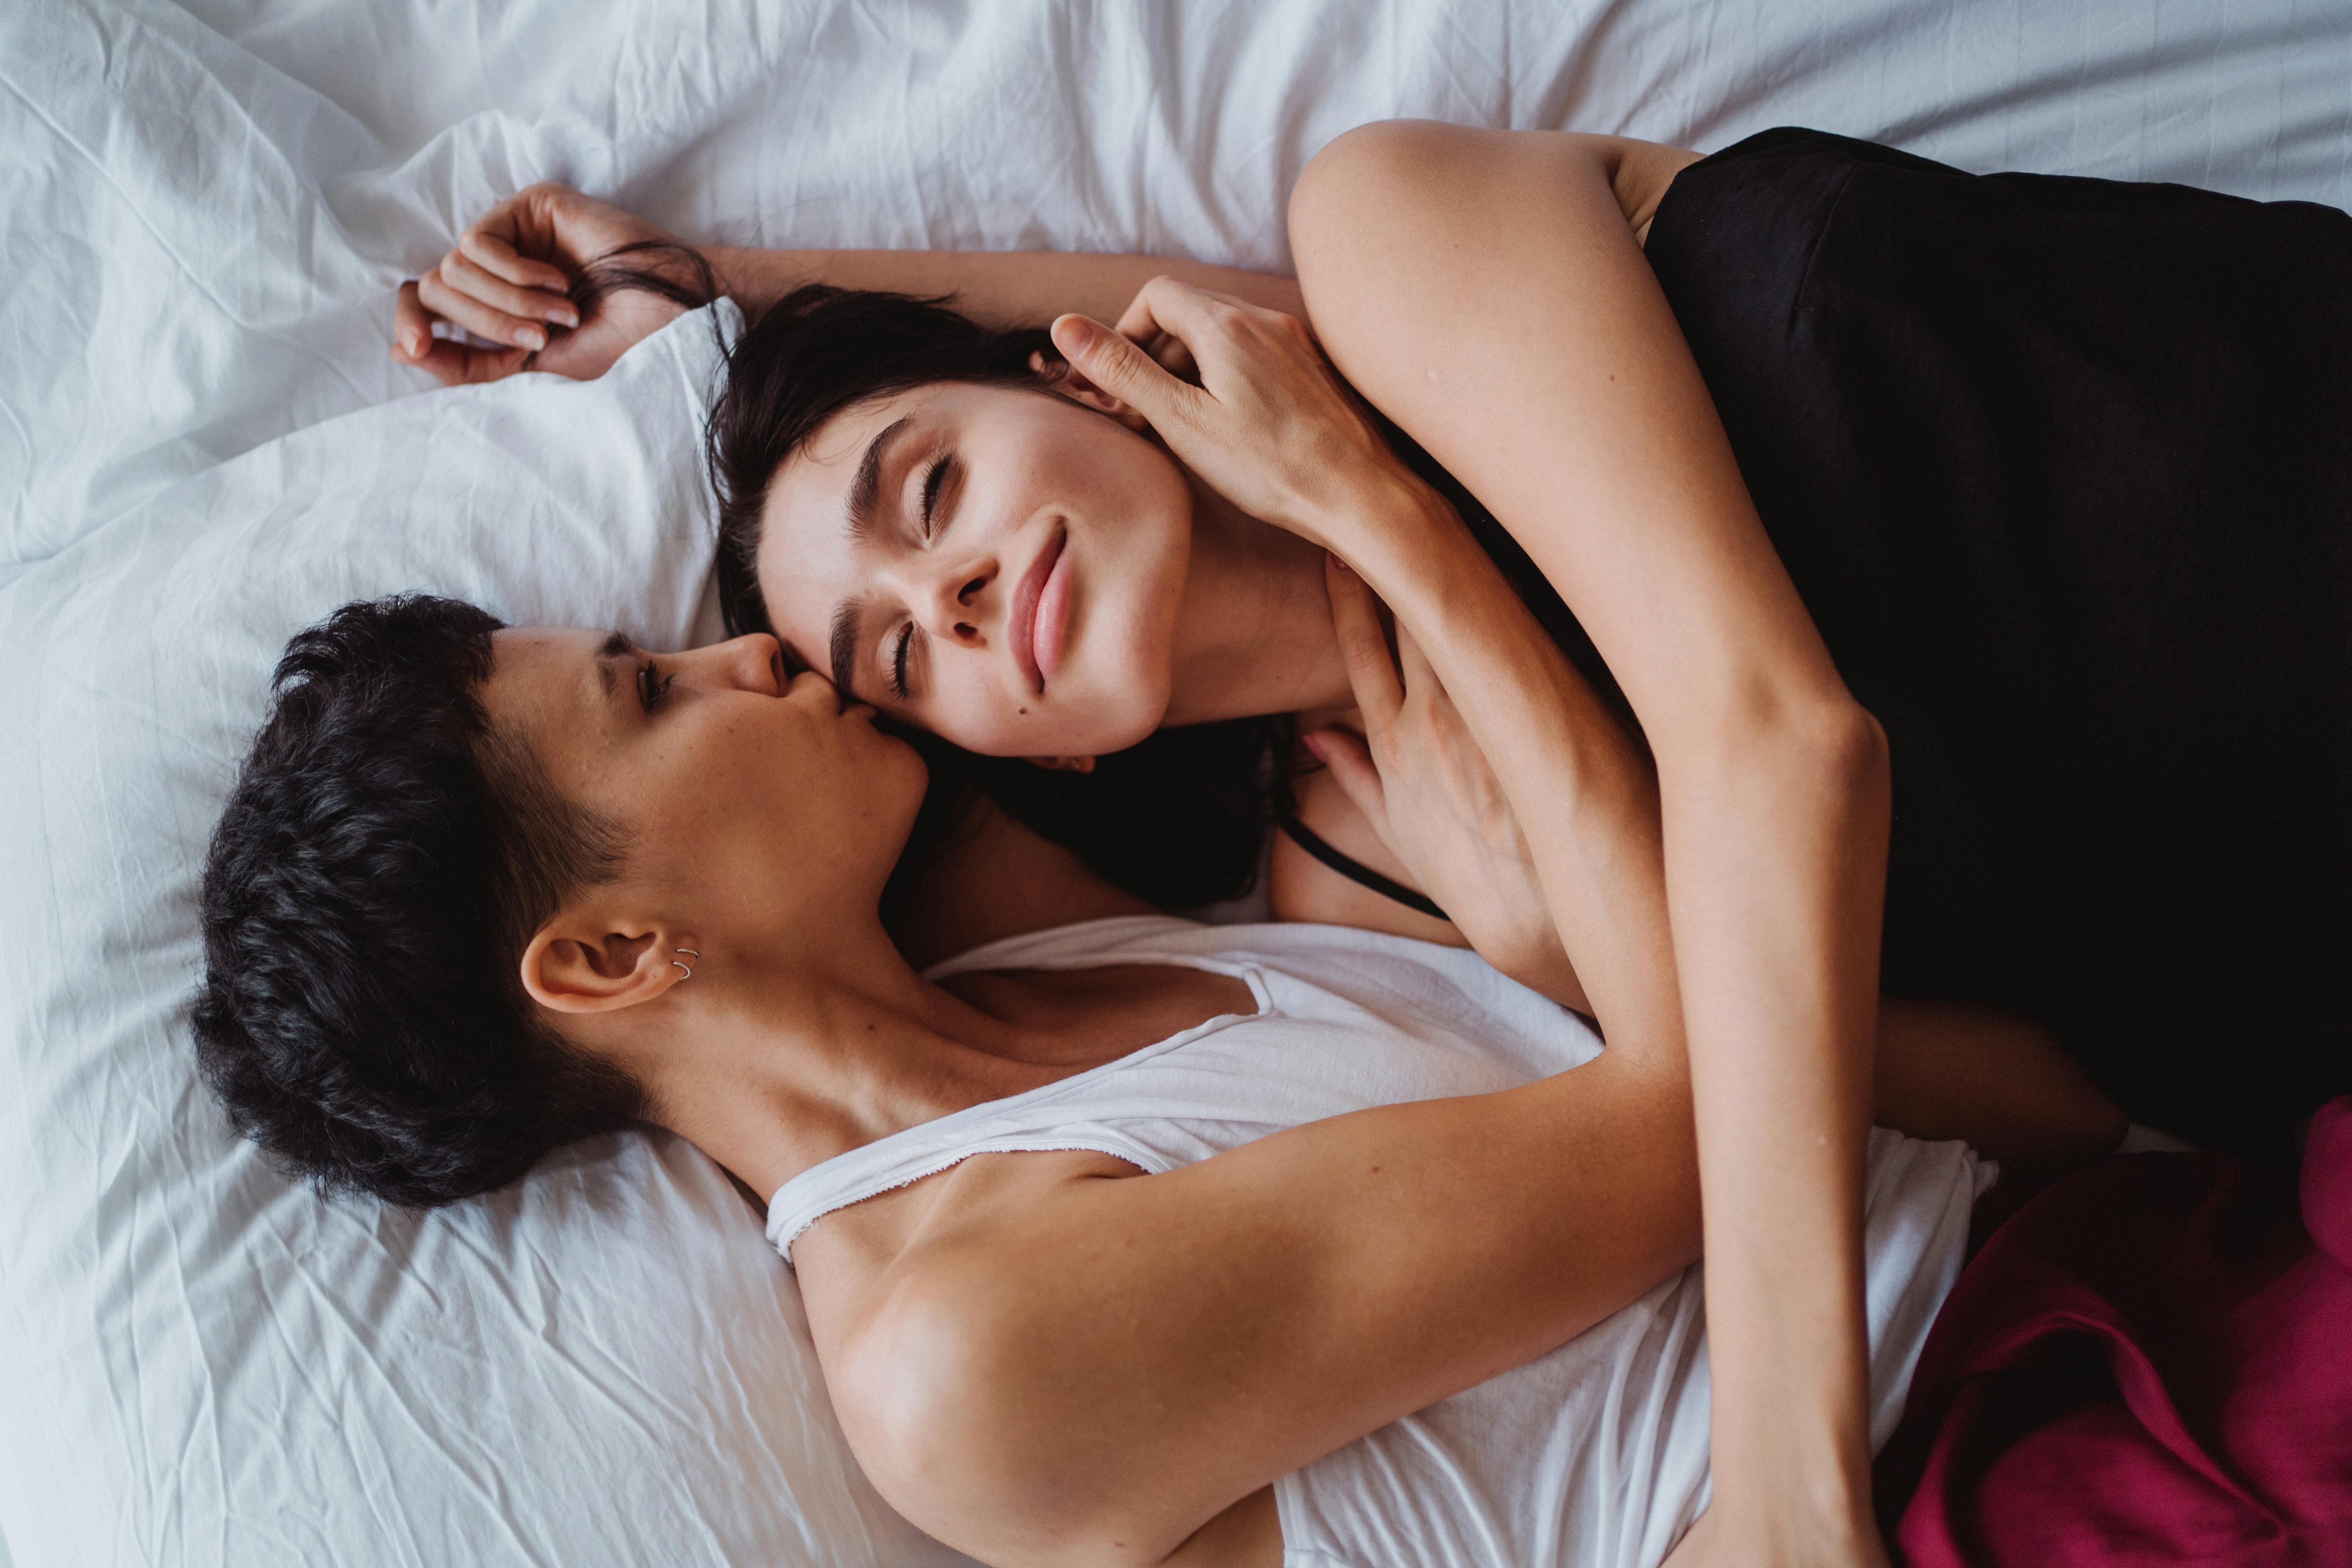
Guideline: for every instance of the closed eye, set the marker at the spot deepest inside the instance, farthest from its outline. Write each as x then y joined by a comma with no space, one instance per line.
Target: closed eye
934,480
898,660
652,685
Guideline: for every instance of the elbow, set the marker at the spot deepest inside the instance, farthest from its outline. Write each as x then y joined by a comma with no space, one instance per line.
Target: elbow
948,1407
1827,743
1851,745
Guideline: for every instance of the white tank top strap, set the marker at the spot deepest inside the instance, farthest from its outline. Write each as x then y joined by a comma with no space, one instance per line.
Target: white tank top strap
1065,1115
1595,1452
1121,938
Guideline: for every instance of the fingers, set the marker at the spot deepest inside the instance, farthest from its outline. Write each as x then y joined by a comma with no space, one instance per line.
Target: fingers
1174,355
1169,306
462,273
412,326
1120,366
491,253
1372,673
450,363
440,293
1420,675
1350,762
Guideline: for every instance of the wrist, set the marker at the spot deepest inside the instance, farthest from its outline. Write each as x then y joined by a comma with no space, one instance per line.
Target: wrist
732,270
1395,530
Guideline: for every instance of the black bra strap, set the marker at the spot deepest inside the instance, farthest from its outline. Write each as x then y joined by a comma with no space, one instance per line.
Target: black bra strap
1362,875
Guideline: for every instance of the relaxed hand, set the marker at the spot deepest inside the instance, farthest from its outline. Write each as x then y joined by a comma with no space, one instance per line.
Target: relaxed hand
1269,427
510,281
1423,784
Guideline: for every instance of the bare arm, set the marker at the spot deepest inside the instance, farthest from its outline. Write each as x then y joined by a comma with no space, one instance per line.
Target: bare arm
995,288
1212,1328
511,279
1486,291
1303,1289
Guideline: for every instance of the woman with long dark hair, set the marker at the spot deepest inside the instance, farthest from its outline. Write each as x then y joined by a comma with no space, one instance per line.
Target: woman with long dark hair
1970,552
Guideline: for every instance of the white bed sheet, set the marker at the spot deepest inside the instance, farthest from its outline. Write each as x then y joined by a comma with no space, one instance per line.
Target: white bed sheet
202,213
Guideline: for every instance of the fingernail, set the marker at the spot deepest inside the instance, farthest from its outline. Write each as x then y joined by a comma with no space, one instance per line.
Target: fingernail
412,342
530,338
563,315
1079,334
1314,745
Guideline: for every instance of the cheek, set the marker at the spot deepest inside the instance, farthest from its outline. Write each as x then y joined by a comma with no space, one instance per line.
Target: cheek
971,707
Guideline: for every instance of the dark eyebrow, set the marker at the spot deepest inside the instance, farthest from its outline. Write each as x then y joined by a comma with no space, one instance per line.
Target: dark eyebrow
844,647
867,490
617,646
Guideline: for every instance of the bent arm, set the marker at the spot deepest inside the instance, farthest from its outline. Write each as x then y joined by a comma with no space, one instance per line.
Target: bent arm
1212,1328
1264,1307
1542,365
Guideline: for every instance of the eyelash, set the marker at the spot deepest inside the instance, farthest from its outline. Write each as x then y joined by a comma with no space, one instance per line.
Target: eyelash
934,480
898,660
649,694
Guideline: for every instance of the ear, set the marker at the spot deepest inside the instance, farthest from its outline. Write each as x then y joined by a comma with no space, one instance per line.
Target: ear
577,963
1075,385
1062,765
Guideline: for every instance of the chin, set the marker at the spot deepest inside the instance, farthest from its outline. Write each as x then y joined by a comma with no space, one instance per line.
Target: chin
1135,648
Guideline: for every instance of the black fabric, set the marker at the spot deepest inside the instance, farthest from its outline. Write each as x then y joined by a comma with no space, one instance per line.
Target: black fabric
2062,470
1354,870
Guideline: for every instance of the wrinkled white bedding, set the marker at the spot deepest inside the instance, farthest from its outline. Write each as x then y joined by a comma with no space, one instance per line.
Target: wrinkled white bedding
202,446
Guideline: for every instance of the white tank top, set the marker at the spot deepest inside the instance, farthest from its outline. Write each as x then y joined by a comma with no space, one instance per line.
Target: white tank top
1595,1453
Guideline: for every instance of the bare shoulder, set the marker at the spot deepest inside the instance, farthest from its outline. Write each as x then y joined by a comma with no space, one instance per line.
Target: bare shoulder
909,1295
1354,166
854,1260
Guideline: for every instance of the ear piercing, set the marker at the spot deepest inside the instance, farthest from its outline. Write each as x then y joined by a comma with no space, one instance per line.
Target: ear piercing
689,952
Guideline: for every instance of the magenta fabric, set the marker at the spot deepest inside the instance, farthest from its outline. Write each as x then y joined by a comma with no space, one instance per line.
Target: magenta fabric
2151,1363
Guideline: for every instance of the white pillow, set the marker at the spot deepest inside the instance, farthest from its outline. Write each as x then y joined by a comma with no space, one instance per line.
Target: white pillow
205,1364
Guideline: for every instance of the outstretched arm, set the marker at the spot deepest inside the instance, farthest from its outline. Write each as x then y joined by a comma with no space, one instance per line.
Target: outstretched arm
515,280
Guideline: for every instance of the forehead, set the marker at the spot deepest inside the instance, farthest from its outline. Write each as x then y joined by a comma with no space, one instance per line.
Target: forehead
547,689
807,502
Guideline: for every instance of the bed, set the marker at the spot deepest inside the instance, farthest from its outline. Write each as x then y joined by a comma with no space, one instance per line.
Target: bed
204,447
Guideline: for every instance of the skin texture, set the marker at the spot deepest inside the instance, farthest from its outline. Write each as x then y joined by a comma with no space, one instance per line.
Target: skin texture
1764,819
1293,1276
1603,455
980,487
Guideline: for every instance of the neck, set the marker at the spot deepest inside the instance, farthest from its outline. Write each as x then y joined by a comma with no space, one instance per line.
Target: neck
778,1066
1255,635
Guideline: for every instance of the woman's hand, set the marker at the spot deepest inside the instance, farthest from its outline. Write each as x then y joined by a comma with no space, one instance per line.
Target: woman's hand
510,281
1269,427
1423,784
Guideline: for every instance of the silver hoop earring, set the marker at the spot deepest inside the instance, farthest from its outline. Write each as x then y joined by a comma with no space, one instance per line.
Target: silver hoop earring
690,952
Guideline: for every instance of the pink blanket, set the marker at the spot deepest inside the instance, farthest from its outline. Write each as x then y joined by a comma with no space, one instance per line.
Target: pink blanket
2150,1362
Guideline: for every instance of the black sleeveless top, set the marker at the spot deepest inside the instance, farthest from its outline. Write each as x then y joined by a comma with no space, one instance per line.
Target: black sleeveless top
2063,470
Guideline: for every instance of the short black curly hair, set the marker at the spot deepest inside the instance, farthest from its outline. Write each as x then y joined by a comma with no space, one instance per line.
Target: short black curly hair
384,859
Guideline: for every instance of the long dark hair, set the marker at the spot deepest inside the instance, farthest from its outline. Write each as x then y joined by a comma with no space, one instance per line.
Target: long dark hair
1179,818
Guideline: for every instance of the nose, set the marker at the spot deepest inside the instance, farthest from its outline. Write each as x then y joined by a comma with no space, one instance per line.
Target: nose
955,601
753,662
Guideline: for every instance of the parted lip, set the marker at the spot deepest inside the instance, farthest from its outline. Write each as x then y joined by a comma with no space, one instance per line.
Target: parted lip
1023,631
